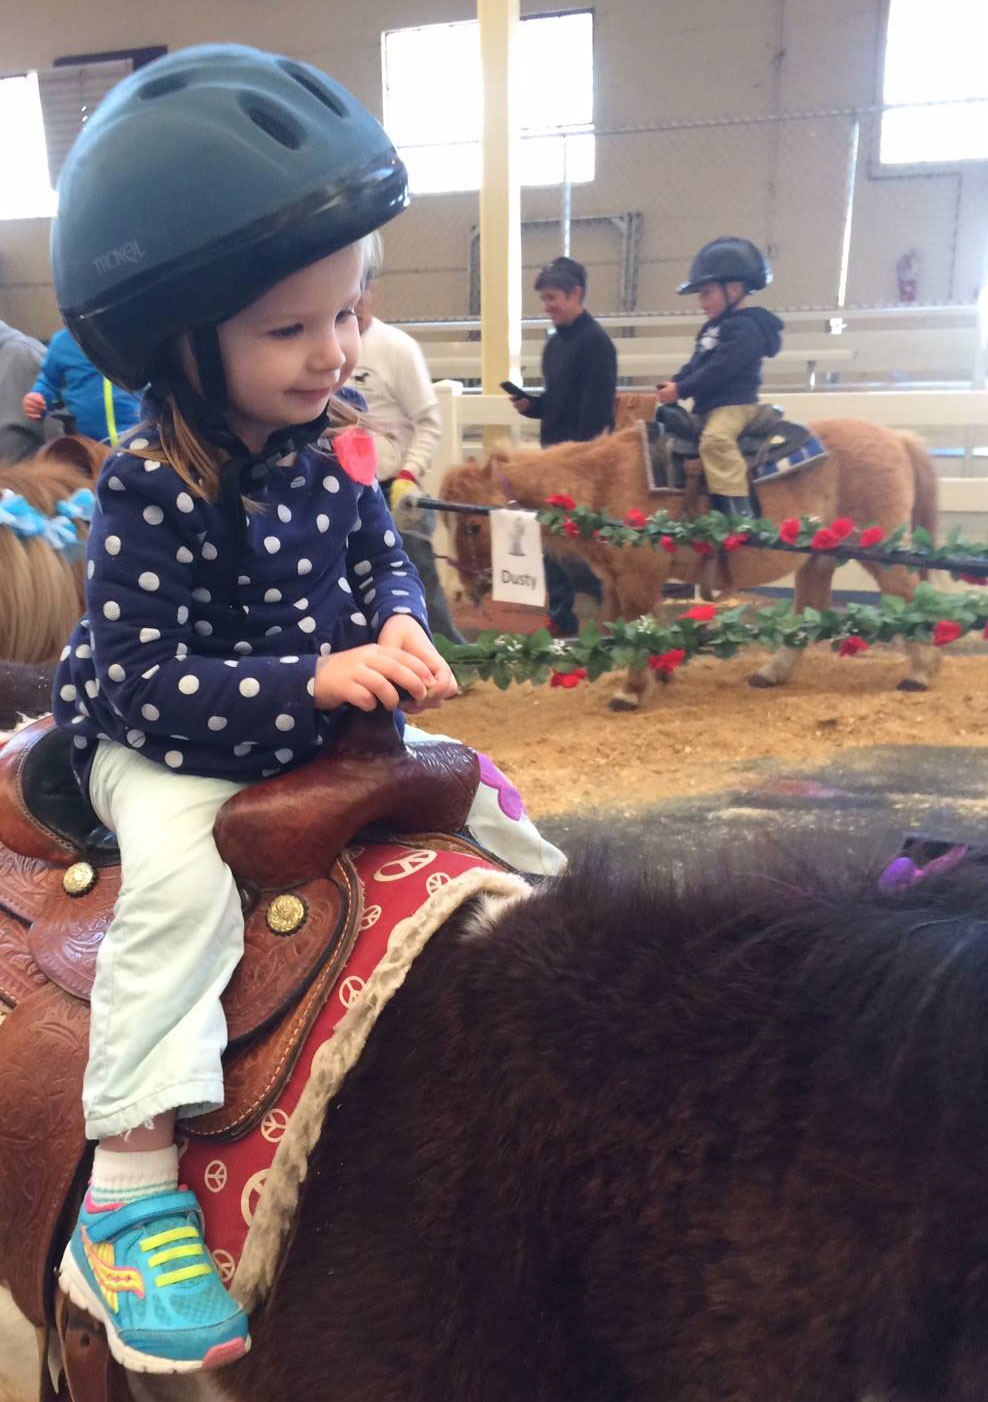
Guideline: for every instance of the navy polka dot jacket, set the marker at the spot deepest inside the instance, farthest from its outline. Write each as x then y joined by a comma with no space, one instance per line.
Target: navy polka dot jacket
206,663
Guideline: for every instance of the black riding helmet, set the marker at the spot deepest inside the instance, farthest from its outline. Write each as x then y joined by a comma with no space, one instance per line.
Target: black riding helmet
200,182
729,260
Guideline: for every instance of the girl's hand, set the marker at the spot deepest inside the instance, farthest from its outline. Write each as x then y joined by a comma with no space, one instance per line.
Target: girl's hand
34,405
369,676
402,631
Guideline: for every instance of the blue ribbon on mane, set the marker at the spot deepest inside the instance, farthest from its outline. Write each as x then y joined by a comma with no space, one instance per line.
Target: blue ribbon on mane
58,531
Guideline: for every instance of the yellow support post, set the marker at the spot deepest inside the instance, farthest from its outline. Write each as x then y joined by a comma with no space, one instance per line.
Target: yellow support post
500,202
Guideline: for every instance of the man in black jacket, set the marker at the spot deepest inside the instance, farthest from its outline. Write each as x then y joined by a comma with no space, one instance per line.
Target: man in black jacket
724,373
579,372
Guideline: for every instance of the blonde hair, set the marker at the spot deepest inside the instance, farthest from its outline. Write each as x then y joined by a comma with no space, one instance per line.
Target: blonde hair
197,461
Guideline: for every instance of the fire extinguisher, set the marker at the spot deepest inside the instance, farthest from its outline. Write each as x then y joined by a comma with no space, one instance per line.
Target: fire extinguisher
907,272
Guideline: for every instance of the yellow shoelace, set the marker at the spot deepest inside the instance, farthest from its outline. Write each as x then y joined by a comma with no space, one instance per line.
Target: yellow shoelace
194,1247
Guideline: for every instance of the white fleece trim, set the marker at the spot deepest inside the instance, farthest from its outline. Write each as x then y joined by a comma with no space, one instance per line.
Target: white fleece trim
276,1209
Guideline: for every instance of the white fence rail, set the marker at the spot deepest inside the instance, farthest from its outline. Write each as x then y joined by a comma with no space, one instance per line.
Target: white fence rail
867,347
961,414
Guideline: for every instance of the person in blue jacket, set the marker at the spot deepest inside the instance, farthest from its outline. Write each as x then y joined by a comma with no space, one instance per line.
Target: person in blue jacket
723,375
245,587
101,410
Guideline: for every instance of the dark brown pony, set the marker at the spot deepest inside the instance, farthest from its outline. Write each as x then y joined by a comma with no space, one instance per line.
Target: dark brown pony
706,1138
711,1140
42,592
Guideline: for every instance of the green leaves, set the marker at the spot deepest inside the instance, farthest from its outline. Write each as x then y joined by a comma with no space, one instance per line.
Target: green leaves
505,658
917,552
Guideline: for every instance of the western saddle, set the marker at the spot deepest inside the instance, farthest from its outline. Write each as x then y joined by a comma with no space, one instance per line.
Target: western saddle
674,441
285,840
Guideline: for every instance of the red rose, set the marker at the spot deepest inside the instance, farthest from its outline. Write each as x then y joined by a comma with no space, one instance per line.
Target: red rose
874,535
735,542
635,518
700,613
824,539
568,680
668,544
842,527
789,531
946,632
702,548
667,662
850,647
571,529
973,578
561,499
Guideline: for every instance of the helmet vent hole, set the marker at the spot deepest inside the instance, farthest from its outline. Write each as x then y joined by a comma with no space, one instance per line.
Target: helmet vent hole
277,128
311,85
161,87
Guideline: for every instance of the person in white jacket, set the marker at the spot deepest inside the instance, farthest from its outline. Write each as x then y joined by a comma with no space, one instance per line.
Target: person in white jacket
393,378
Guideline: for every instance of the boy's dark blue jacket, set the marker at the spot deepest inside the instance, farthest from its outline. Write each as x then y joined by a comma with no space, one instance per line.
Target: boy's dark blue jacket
726,365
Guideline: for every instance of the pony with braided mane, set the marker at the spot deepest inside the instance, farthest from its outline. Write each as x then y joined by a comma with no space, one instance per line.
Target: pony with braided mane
42,594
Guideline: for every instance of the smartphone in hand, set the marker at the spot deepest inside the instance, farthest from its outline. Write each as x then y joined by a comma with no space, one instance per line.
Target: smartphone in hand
513,389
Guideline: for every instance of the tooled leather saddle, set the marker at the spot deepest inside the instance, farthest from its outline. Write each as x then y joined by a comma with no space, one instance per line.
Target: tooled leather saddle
674,440
285,839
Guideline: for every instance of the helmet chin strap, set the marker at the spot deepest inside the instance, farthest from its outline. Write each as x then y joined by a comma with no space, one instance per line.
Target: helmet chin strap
728,304
206,412
207,409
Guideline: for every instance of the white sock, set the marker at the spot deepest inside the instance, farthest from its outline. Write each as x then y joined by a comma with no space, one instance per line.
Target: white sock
123,1177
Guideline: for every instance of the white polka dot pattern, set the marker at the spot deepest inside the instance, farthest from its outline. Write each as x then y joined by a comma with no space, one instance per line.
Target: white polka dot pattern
185,637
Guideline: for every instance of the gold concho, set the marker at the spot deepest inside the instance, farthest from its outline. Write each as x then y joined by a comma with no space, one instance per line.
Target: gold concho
79,879
286,914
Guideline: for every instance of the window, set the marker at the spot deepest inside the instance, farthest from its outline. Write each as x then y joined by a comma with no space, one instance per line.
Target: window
432,101
936,56
25,188
41,115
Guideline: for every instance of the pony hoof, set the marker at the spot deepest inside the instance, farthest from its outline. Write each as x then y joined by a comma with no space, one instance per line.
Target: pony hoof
762,683
911,684
622,701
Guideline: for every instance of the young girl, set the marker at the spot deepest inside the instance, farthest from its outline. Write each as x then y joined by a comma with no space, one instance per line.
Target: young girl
245,585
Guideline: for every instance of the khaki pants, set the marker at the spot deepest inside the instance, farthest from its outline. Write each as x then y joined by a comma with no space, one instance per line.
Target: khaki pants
725,468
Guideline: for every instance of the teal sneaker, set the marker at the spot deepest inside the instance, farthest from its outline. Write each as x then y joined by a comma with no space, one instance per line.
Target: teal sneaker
143,1269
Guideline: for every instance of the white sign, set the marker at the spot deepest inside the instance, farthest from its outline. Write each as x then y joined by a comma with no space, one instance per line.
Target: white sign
516,558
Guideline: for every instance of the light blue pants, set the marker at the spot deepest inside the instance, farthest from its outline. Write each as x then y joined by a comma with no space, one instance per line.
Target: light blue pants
158,1030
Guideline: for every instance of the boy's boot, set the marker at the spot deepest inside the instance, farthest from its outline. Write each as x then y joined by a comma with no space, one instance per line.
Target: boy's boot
730,506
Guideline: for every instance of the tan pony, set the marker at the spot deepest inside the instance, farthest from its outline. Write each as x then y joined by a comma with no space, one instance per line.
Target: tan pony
874,475
41,592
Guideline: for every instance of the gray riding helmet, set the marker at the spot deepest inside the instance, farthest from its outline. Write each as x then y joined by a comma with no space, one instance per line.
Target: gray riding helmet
729,259
200,182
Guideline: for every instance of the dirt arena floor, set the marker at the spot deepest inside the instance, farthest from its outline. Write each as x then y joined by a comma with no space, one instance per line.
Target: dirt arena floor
838,750
708,728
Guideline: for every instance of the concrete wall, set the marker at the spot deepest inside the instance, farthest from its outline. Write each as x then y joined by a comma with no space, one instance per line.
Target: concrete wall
656,61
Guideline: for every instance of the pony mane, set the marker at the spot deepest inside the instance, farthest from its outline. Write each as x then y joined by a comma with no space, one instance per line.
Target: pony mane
792,956
466,482
42,594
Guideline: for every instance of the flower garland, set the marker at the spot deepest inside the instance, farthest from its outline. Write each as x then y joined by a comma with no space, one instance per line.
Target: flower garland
707,534
705,630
